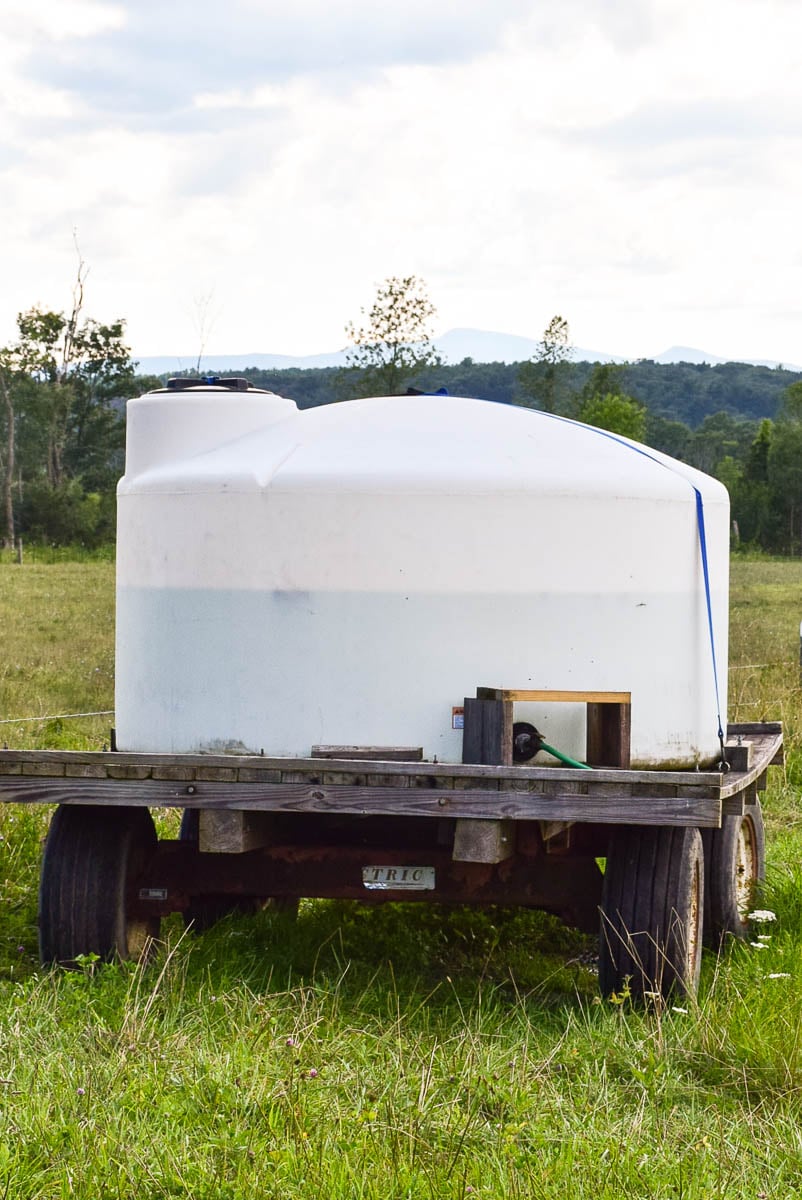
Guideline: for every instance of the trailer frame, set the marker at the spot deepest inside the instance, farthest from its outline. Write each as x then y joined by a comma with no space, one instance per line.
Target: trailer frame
361,827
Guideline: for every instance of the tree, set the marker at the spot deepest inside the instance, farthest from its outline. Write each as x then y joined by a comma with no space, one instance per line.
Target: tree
604,403
670,437
543,380
747,481
719,435
62,384
394,345
785,485
617,413
781,452
10,449
791,402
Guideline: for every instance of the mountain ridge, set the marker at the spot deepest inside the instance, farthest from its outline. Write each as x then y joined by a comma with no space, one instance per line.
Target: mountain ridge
454,346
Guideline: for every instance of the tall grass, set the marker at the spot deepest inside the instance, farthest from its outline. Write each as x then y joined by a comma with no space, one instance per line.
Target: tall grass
394,1052
57,654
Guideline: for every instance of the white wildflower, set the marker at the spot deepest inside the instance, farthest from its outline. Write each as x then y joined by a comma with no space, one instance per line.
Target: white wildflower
762,914
764,937
676,1008
779,975
759,945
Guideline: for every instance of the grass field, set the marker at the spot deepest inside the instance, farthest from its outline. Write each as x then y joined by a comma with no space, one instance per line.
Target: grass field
392,1053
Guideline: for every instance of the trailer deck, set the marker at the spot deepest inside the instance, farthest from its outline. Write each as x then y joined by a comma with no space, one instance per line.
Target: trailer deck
362,788
383,825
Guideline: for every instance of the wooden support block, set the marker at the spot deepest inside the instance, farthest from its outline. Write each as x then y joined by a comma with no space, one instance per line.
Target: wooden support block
487,735
608,734
554,829
483,841
738,755
230,831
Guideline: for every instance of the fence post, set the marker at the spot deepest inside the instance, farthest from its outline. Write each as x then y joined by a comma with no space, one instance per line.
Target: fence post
19,551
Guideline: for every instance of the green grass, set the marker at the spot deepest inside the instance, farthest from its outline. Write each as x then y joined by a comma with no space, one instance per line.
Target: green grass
396,1052
57,654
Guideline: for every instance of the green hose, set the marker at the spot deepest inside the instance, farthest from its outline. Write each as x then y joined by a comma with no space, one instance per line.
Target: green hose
564,758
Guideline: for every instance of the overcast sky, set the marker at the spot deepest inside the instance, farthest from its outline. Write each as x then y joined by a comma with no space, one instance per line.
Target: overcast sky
243,173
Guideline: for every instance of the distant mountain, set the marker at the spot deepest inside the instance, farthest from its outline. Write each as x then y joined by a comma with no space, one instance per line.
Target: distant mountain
688,354
224,364
454,346
483,346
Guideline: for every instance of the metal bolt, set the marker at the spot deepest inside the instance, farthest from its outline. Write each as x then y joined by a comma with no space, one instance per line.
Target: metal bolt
191,790
442,801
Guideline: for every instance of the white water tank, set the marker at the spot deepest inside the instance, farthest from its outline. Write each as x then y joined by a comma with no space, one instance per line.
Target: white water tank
348,574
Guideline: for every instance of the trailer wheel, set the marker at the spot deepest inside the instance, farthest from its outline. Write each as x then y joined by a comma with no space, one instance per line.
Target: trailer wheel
207,910
735,864
91,857
652,912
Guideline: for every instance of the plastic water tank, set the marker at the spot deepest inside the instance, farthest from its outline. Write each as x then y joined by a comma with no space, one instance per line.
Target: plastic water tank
348,574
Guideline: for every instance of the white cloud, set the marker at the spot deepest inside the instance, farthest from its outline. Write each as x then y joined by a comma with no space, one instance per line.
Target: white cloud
636,166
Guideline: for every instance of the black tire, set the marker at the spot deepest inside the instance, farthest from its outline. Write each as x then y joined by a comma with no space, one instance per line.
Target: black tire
205,911
735,866
652,912
91,856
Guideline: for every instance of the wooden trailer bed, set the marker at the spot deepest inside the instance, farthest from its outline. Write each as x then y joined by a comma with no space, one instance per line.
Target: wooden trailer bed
380,829
386,788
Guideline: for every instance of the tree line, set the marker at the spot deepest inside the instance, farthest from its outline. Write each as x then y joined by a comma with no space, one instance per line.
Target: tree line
65,379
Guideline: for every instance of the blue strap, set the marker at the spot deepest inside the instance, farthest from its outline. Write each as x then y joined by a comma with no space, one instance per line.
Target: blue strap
700,522
700,525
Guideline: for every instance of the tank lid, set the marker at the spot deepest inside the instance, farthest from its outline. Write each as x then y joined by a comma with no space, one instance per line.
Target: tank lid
232,384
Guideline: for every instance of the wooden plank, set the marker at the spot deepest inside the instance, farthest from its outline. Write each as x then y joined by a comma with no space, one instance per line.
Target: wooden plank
487,734
256,767
216,774
765,748
608,734
129,771
702,808
85,771
377,753
556,697
36,768
386,781
183,773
